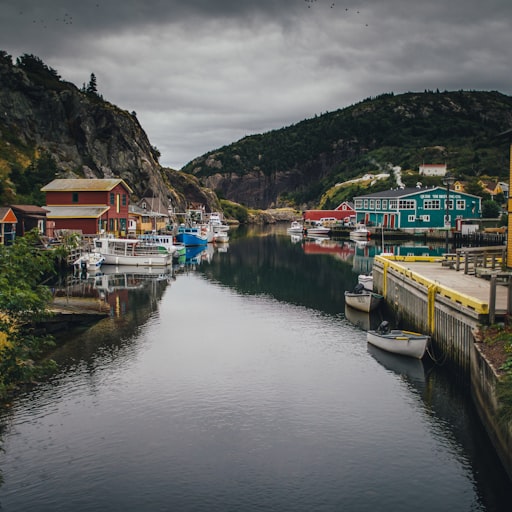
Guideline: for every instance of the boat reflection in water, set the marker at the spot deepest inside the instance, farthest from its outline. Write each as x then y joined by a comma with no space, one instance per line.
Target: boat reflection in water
409,369
361,319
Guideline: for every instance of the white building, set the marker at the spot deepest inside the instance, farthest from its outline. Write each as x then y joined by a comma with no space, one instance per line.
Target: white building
433,169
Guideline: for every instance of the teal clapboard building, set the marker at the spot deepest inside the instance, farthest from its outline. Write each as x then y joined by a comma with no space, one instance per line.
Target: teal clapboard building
416,208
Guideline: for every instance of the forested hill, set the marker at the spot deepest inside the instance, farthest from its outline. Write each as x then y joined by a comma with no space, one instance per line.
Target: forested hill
297,164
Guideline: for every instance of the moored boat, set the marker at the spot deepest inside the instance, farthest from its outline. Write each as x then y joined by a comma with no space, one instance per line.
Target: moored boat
191,236
366,280
361,232
89,261
296,227
154,239
130,251
362,299
397,341
215,221
317,229
220,237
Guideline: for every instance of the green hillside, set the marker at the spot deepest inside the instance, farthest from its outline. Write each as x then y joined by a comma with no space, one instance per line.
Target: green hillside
457,128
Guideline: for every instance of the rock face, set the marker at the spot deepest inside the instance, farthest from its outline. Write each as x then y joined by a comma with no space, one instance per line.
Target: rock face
258,189
87,136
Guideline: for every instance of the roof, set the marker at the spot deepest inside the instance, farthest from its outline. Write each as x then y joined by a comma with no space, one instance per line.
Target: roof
7,215
403,192
29,209
76,212
84,185
137,210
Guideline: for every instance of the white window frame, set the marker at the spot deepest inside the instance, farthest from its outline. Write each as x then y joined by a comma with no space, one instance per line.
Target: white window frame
431,204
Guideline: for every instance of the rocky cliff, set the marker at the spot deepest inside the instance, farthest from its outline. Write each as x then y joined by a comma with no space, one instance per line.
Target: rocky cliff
85,135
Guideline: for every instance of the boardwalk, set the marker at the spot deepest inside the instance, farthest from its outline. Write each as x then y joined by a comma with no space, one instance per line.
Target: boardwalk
464,284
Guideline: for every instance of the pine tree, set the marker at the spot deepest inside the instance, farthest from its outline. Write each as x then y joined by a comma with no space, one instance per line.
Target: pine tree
92,87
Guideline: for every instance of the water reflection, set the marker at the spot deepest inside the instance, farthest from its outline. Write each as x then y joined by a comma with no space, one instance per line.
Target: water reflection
274,266
238,385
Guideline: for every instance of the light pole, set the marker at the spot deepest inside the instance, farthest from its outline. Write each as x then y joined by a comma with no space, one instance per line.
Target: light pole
448,180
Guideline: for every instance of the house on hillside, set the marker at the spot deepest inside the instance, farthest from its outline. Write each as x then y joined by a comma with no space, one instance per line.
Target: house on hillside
459,186
29,217
432,169
8,223
493,188
415,208
342,213
90,206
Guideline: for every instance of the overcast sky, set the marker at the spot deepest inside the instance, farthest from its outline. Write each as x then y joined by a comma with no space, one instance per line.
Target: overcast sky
201,74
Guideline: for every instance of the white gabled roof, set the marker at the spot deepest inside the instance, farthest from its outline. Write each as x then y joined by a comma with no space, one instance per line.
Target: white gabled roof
75,212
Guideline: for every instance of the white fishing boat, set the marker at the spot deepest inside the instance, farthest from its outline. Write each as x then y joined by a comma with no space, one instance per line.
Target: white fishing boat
89,261
397,341
366,280
361,232
216,223
220,237
131,251
362,299
317,229
296,227
167,241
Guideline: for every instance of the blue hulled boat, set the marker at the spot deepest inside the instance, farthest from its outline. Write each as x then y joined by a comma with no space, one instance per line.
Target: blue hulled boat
191,236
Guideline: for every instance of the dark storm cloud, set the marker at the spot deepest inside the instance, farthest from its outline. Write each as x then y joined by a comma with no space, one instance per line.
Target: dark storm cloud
201,74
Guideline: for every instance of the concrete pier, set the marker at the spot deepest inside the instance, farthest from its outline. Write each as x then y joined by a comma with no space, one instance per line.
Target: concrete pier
445,303
451,305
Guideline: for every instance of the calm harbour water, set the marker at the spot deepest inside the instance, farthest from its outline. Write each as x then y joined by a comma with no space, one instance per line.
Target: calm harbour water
239,385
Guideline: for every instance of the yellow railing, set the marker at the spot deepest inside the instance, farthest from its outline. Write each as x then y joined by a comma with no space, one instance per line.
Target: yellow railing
433,288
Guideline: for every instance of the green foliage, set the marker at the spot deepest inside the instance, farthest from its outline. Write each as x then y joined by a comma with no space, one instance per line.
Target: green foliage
490,209
28,182
38,71
234,211
23,301
92,86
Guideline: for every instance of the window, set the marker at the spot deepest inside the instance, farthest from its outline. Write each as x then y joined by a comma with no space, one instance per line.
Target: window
450,204
425,218
384,204
411,218
461,204
366,204
377,204
393,204
74,198
112,198
431,204
358,203
407,204
372,204
124,199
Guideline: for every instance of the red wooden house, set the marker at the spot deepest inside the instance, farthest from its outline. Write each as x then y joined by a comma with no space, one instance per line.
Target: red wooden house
344,211
91,206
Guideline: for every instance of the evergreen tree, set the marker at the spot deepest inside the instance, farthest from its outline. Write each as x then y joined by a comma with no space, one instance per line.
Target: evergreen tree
92,86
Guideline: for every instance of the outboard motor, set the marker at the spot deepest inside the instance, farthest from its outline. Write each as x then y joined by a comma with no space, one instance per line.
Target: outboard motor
383,327
359,288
